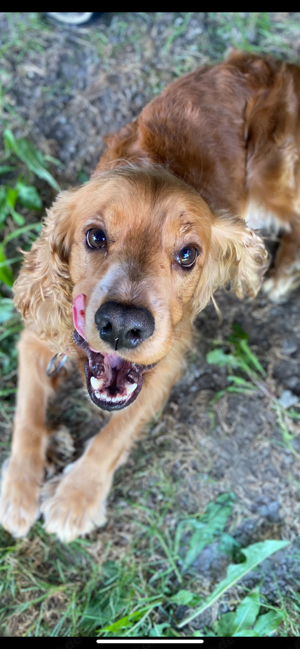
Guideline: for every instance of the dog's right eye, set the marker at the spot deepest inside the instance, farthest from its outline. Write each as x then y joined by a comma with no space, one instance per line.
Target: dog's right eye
96,238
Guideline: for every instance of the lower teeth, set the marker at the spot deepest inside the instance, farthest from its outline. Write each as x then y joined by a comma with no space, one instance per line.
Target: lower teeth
104,396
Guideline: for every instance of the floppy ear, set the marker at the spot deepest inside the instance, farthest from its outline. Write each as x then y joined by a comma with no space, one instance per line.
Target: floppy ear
43,290
237,255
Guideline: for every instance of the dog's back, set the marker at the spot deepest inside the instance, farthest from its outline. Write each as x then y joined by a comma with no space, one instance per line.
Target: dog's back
227,130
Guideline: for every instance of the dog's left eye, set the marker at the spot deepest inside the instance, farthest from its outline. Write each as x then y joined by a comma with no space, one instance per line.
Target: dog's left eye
187,256
96,238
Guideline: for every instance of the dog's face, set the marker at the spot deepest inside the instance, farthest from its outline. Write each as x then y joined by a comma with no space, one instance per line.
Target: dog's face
131,254
137,254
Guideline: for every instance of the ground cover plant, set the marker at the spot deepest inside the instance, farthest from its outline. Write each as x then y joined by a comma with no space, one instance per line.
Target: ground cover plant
203,529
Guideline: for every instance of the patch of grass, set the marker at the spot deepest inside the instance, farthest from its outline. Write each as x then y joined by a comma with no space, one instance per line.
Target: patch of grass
254,554
246,620
6,110
141,594
24,35
247,376
19,191
179,28
256,32
206,528
241,29
19,203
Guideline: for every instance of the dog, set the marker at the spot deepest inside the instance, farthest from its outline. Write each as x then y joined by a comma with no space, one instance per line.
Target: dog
124,263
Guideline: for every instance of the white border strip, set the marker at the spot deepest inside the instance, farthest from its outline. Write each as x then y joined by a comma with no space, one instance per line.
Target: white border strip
147,641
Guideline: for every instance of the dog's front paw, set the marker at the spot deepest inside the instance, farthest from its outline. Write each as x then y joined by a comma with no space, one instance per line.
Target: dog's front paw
74,503
20,494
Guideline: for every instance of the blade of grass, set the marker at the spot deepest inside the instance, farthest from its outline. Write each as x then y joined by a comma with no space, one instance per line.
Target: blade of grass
254,554
13,260
251,357
19,231
33,159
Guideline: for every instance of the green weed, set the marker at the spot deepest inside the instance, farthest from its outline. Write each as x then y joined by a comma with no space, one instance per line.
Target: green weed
246,621
20,166
19,192
254,554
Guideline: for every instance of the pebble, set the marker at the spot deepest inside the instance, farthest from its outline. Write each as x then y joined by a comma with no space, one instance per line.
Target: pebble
288,399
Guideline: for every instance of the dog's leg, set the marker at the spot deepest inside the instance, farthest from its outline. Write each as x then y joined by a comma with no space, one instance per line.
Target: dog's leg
23,472
75,504
285,276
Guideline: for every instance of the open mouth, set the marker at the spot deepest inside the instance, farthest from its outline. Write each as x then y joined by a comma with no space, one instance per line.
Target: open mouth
112,382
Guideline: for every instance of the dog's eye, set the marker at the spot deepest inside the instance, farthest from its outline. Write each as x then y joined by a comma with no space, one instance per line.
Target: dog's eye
96,238
187,256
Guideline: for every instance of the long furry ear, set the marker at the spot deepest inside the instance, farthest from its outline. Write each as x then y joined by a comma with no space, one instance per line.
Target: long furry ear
237,255
43,290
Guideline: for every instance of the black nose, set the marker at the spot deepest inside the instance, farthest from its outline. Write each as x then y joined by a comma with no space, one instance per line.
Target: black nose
120,325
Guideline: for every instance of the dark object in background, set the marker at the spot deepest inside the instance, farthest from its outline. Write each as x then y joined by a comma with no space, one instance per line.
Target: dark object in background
73,17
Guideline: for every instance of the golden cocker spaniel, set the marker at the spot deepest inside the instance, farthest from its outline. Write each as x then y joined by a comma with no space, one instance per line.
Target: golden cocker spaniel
124,263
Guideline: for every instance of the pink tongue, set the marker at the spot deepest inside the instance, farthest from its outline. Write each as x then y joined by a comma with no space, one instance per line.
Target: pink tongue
78,313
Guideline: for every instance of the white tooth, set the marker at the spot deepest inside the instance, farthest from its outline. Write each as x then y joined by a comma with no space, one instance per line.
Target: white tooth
117,398
96,383
130,387
100,395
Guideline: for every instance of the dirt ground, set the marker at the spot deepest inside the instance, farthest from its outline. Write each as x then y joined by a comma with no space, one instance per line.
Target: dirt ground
78,85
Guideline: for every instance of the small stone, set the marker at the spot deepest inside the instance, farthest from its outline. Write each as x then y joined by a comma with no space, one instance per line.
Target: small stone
287,399
289,346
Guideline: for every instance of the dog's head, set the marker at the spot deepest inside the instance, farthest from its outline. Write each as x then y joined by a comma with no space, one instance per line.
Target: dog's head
119,263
